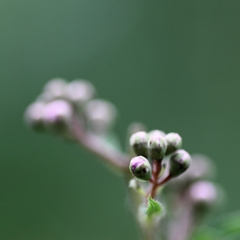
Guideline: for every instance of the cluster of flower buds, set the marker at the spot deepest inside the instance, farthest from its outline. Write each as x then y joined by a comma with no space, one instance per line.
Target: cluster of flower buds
151,148
60,101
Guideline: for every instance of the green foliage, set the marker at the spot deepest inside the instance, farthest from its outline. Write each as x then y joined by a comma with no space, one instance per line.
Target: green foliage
153,208
227,228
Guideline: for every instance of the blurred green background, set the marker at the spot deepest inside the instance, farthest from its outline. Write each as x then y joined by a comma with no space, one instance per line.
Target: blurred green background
173,65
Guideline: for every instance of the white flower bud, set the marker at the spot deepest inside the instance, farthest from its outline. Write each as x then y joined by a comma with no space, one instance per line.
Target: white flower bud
33,115
156,133
203,192
57,115
174,142
79,91
54,89
101,114
138,142
179,162
157,146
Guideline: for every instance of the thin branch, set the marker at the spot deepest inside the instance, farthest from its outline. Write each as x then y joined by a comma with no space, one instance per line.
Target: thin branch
97,146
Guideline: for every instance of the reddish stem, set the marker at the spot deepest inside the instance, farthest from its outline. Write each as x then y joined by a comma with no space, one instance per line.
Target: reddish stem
156,169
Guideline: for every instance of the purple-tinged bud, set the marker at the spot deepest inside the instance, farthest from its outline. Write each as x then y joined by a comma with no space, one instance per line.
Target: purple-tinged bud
54,89
57,115
157,146
203,193
156,133
139,143
140,168
174,142
33,116
179,162
79,91
101,115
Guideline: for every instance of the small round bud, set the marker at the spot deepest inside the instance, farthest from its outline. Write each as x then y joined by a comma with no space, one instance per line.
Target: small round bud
138,142
54,89
101,114
203,193
79,91
156,133
174,142
57,115
140,168
157,146
179,162
33,115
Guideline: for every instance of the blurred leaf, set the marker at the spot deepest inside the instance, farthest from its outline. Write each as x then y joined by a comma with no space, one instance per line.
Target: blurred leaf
207,234
225,228
230,226
153,208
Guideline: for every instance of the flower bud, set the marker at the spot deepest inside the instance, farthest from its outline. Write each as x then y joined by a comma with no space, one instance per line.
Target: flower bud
140,168
57,115
54,89
156,133
174,142
79,91
101,115
179,162
33,115
203,192
157,146
138,142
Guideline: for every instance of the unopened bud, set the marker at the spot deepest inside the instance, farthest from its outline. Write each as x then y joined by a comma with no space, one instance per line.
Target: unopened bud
54,89
57,115
174,142
33,116
179,162
157,146
101,115
203,193
138,141
141,168
156,133
79,91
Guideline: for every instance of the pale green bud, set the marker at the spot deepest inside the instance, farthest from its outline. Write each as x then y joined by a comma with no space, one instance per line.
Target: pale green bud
157,146
174,142
179,162
140,168
138,142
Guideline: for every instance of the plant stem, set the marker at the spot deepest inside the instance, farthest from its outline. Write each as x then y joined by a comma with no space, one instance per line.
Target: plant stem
97,146
156,168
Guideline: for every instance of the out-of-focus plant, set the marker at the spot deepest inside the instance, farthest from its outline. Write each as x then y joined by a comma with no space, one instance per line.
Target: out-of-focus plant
169,191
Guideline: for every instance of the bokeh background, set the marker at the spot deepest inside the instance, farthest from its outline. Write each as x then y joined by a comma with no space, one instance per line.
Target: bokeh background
173,65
